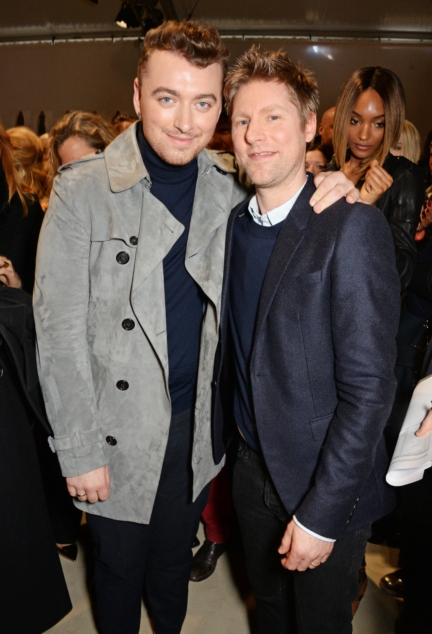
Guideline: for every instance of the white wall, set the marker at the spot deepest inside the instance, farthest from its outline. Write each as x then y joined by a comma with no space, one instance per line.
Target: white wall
99,76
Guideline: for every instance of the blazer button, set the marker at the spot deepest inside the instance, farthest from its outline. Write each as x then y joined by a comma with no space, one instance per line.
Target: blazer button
111,440
122,385
133,240
128,324
122,257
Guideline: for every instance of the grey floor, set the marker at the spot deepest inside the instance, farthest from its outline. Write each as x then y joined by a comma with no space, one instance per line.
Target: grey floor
223,604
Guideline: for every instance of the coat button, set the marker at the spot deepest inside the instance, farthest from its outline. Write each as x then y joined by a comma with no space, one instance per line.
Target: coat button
111,440
128,324
122,257
122,385
133,240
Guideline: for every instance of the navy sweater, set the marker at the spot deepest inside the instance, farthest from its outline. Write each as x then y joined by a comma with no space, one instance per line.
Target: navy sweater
252,247
174,186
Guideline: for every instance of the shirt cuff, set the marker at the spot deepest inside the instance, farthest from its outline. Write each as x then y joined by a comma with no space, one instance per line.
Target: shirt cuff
324,539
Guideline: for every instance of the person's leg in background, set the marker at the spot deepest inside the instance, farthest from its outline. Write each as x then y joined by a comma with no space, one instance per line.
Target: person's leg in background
219,519
416,555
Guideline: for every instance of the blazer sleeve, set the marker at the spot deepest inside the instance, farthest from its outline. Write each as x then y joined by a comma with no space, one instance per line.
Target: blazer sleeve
364,315
61,298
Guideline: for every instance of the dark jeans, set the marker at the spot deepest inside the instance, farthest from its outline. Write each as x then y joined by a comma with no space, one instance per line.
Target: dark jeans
311,602
158,554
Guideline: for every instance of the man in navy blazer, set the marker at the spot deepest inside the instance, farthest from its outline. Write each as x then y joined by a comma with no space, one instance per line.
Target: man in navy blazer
310,310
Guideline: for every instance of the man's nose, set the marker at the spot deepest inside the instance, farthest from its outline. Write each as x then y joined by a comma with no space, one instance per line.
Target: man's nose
254,131
184,119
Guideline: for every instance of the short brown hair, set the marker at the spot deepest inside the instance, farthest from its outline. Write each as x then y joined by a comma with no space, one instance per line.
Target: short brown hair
274,66
391,91
199,43
93,128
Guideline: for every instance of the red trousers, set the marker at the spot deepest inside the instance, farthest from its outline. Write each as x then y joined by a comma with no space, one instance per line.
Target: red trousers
218,515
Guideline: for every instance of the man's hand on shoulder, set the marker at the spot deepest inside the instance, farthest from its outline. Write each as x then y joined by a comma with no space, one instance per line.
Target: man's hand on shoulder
331,187
90,487
302,550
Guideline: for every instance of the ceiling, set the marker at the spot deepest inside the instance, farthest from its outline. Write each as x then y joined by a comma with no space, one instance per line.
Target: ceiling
397,19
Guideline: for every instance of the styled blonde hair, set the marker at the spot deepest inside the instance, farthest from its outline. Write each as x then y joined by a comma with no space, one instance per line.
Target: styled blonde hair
392,95
255,64
7,161
27,153
411,142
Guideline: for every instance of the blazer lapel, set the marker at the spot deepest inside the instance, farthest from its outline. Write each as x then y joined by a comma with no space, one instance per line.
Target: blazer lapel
287,243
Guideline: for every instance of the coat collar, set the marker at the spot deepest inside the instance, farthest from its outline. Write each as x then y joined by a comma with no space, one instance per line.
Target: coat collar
126,168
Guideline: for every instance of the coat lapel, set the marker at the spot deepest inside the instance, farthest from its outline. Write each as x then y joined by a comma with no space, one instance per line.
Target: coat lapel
212,206
287,243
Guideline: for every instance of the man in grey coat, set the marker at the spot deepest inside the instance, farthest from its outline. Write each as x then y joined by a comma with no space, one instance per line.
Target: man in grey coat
127,304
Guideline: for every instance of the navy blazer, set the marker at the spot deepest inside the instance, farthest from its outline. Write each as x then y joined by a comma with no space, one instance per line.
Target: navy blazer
322,363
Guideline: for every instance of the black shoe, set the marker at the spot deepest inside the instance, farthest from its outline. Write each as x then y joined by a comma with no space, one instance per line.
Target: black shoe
393,584
205,560
69,552
196,542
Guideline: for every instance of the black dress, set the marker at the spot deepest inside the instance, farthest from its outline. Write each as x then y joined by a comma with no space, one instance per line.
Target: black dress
33,593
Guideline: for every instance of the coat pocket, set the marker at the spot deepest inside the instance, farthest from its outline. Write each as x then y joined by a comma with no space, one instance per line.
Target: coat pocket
320,425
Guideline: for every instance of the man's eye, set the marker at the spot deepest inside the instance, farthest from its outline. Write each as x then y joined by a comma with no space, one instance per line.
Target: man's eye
274,117
166,100
203,105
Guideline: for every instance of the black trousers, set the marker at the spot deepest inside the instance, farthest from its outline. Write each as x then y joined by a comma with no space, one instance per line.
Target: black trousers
158,554
311,602
416,554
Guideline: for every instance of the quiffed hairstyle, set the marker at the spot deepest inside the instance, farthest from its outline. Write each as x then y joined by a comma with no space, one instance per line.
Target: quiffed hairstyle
391,91
95,131
7,161
411,142
255,64
199,43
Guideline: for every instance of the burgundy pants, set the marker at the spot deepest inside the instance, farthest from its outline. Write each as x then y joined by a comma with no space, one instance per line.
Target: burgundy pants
218,515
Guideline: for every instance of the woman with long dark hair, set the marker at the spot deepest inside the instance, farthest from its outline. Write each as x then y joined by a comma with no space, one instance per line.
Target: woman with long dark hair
370,113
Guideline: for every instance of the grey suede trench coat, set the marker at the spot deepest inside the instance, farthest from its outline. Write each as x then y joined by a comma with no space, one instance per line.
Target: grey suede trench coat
100,318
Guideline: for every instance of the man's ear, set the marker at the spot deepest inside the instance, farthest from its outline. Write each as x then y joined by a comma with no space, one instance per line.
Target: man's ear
137,96
310,127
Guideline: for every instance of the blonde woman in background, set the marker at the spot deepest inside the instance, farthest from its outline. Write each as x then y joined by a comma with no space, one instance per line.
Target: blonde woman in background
27,152
409,144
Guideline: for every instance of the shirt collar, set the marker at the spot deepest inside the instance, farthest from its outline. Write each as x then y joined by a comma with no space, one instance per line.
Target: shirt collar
276,215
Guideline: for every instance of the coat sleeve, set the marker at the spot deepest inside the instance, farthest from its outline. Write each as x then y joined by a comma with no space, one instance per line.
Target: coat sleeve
406,197
61,298
364,317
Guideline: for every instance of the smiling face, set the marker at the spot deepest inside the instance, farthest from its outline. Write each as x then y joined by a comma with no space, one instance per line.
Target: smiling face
268,136
366,125
180,105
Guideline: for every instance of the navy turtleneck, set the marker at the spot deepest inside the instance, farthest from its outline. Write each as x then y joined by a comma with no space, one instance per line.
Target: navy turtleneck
174,186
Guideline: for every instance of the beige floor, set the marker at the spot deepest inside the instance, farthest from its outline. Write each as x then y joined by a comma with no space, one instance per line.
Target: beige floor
223,604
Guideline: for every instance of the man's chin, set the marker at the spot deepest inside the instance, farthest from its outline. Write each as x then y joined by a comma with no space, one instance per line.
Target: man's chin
178,156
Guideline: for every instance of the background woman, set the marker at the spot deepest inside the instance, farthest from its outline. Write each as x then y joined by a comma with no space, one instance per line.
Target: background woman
76,135
409,144
317,158
20,213
369,118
